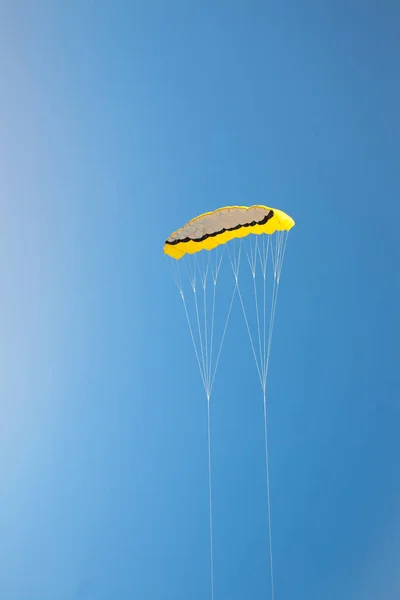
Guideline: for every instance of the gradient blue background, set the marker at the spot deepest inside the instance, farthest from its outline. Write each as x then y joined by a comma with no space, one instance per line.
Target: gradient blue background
119,121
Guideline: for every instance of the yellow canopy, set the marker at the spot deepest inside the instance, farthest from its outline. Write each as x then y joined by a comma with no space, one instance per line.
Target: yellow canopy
209,230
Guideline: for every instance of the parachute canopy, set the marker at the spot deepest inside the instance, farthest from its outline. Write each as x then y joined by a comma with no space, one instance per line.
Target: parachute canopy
209,230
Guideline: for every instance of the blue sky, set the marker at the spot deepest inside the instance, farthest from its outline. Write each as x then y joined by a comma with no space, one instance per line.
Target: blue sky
119,122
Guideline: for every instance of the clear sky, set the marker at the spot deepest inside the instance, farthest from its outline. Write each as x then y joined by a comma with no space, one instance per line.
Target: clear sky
119,121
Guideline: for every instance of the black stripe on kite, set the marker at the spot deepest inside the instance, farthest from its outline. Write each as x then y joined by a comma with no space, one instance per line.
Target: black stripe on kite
223,230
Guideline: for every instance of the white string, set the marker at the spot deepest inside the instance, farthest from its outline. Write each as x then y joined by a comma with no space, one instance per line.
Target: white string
193,340
210,499
277,274
277,256
264,261
236,275
200,333
257,315
212,336
205,332
204,349
223,337
271,566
